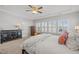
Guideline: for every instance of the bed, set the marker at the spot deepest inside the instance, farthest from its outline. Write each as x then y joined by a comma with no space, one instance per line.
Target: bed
48,44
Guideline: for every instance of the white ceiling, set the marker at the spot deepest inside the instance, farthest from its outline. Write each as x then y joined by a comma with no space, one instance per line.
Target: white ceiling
48,10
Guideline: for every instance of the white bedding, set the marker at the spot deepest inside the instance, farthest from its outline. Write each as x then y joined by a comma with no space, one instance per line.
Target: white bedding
45,44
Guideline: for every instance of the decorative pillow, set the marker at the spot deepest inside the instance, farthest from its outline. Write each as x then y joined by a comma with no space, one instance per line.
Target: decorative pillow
61,40
72,42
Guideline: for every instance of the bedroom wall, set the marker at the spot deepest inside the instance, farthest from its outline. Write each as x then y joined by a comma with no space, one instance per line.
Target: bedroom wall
72,18
8,22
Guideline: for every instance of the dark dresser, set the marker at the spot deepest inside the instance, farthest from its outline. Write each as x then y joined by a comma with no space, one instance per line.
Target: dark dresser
7,35
33,30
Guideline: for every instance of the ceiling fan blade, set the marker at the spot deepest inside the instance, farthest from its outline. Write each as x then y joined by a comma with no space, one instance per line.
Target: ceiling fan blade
40,7
28,10
39,11
30,6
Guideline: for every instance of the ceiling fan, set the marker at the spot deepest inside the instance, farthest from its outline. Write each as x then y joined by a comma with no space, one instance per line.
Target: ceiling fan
35,9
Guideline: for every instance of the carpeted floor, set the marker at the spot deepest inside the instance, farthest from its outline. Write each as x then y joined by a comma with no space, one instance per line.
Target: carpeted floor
11,47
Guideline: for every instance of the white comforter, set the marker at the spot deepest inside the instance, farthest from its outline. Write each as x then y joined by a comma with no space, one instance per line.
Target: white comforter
45,44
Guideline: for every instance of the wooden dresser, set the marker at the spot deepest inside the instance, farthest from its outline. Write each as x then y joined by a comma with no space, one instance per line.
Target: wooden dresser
33,30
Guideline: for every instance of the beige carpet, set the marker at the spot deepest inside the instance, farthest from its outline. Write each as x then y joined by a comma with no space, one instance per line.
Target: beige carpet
11,47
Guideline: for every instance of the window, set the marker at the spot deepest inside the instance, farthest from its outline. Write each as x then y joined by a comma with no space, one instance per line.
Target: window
45,27
38,27
52,26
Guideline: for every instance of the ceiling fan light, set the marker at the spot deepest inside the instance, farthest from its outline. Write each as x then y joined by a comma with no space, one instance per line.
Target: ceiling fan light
35,12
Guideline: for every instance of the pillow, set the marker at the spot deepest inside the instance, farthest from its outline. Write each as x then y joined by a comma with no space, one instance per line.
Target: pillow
72,42
61,40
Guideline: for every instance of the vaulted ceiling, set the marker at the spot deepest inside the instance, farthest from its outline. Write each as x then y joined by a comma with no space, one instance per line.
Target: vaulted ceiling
48,10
